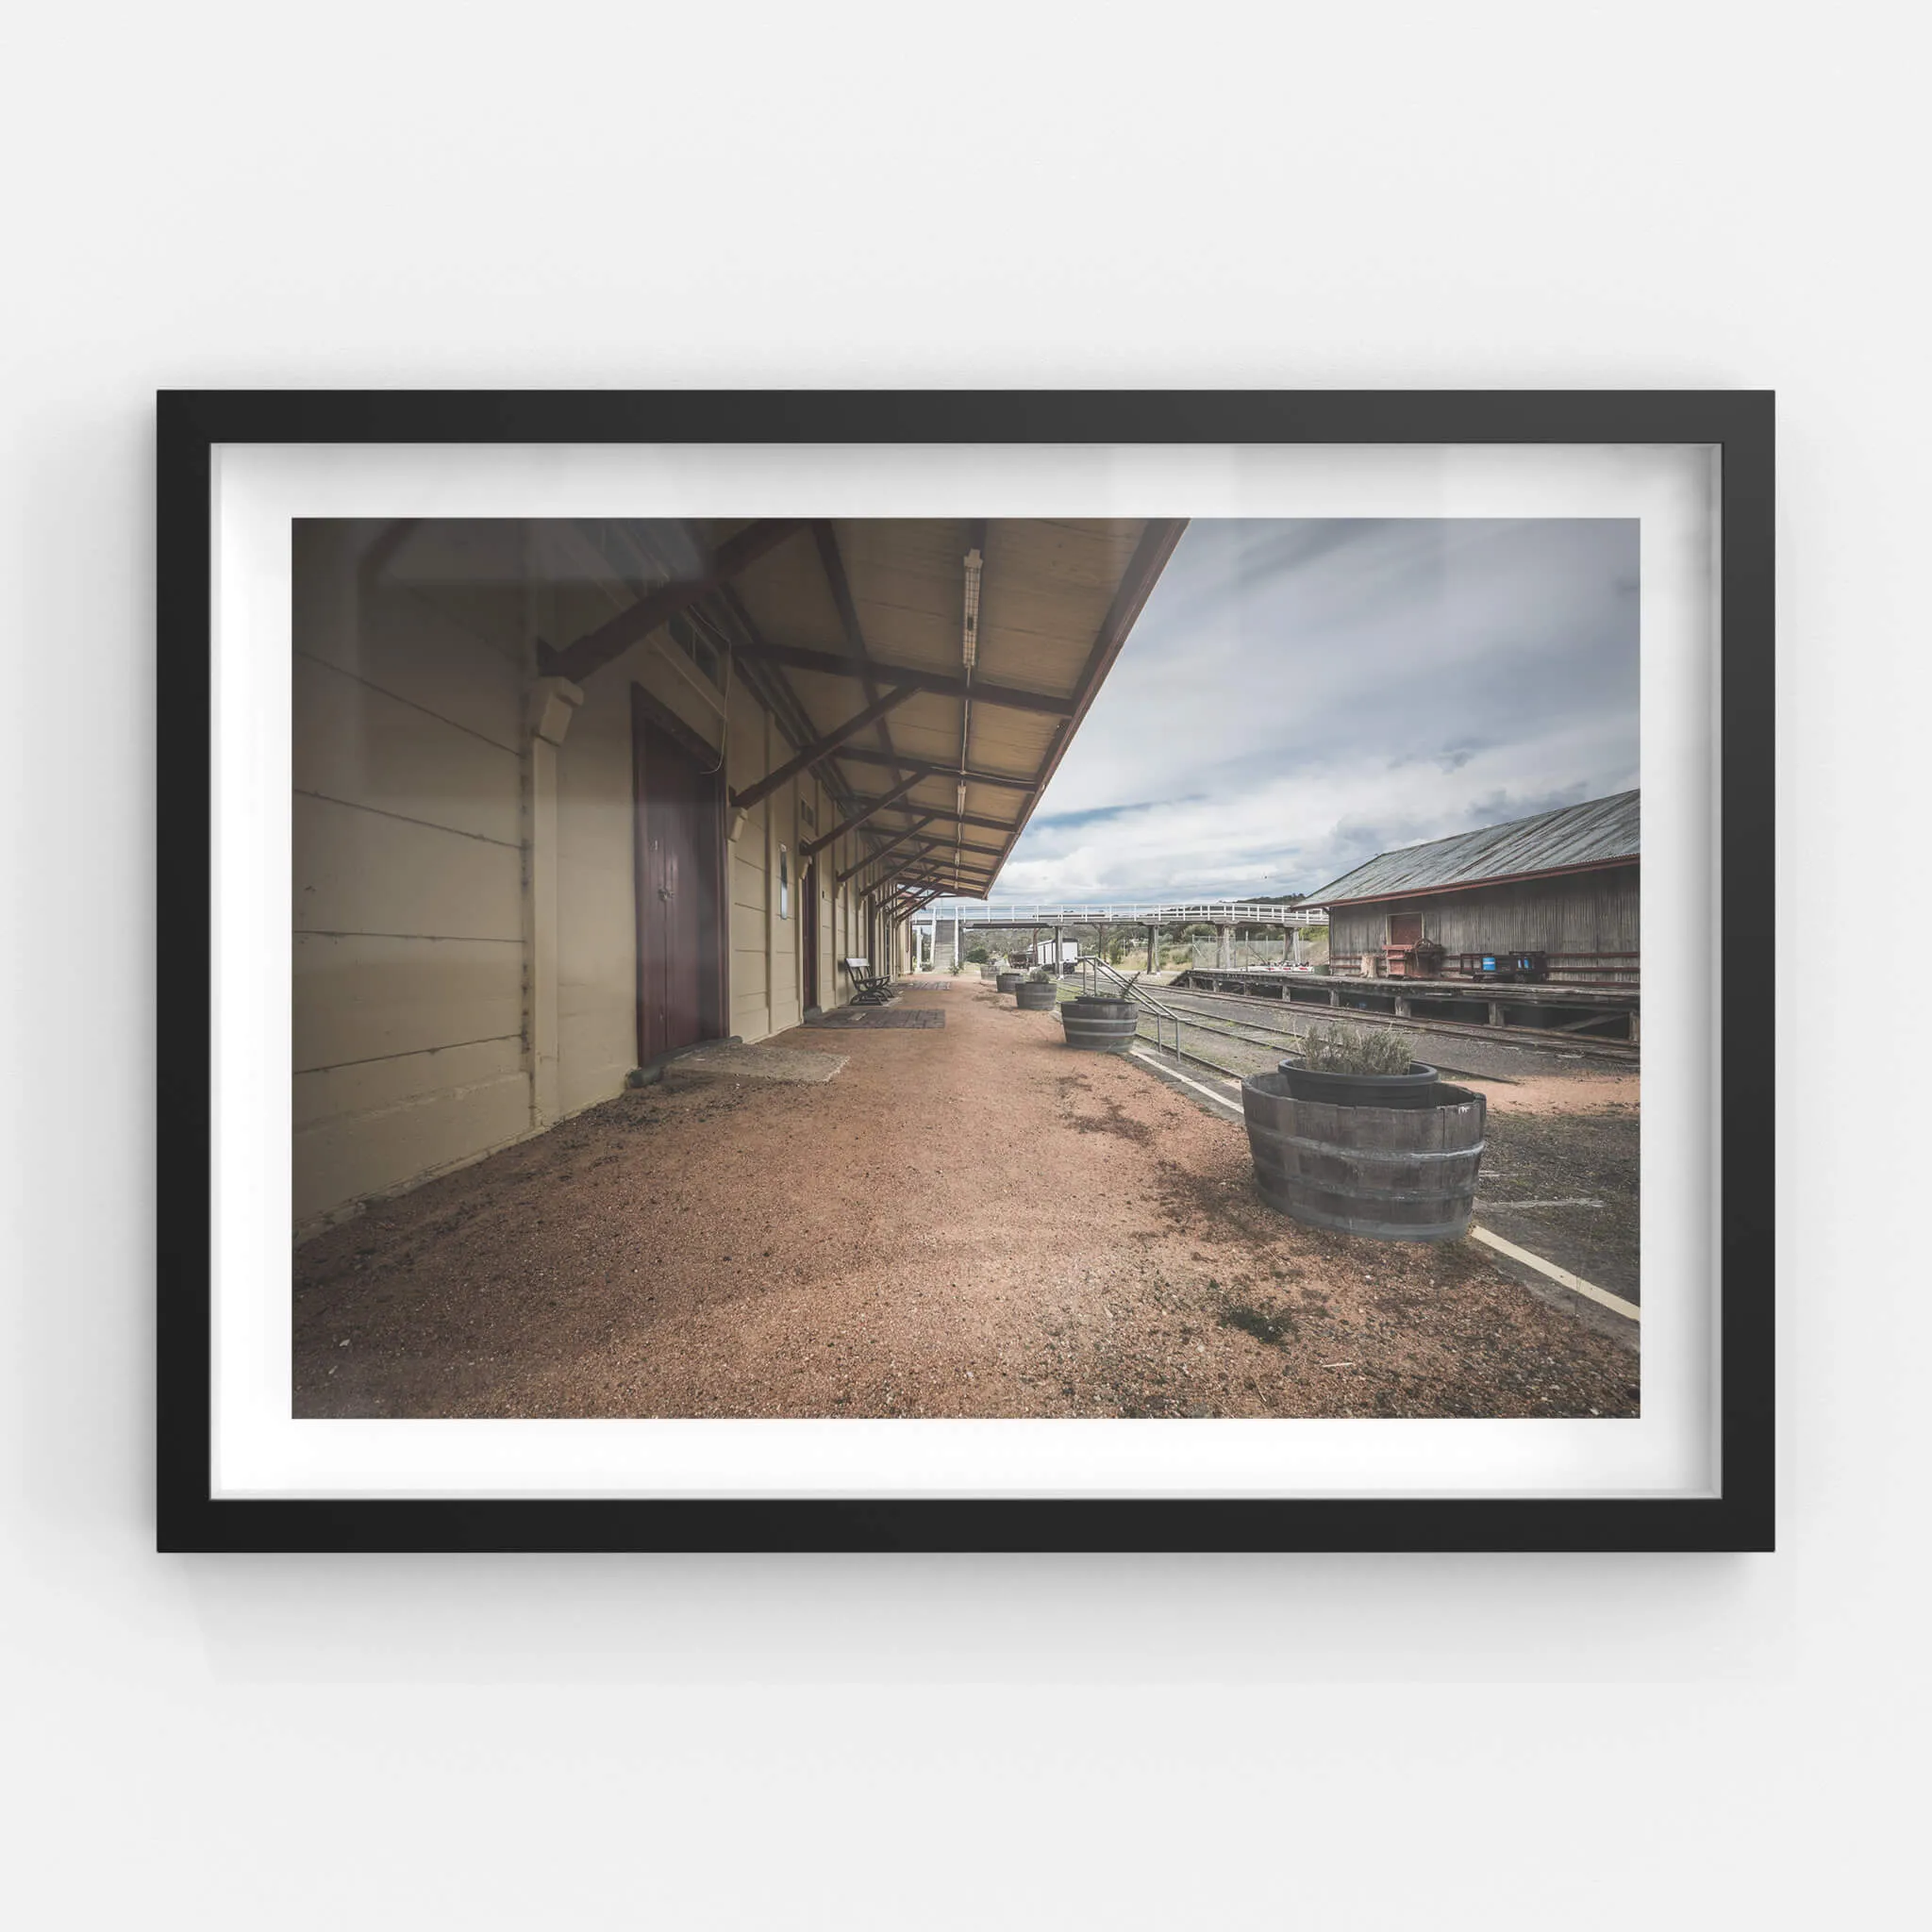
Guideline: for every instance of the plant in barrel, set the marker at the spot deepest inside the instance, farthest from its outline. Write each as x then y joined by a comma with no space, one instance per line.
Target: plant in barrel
1036,992
1353,1135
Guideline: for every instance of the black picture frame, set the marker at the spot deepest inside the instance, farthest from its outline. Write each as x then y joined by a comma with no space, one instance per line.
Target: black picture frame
194,424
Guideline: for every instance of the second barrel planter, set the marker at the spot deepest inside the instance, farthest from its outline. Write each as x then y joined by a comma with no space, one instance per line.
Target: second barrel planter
1394,1173
1011,982
1099,1025
1036,996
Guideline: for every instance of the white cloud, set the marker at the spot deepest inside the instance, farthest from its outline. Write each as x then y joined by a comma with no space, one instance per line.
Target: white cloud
1299,697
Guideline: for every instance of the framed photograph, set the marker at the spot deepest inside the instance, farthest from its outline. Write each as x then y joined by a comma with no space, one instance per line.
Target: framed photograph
1026,970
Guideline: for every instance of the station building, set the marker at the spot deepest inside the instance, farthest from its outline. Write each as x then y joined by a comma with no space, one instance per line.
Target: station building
571,797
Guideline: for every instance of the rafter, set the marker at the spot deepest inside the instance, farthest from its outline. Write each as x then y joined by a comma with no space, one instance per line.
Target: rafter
1005,779
821,748
898,839
941,876
826,540
984,825
812,847
834,665
614,637
942,843
914,871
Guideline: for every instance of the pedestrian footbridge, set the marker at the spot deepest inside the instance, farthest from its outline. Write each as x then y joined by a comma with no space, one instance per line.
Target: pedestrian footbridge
1215,912
940,928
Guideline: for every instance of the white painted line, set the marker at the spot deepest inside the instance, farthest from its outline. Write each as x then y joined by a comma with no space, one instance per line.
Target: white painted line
1160,1067
1575,1283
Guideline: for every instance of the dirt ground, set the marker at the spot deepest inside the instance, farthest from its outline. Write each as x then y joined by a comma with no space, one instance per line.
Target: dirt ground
1574,1093
1560,1177
969,1221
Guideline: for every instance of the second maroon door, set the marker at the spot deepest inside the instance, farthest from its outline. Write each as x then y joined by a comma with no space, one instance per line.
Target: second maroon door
677,844
809,935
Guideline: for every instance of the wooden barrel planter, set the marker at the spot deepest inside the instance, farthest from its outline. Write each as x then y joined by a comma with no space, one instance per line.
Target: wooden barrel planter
1394,1173
988,972
1097,1026
1415,1088
1011,982
1036,996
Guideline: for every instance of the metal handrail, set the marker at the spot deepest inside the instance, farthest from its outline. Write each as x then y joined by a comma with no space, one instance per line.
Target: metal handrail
1094,967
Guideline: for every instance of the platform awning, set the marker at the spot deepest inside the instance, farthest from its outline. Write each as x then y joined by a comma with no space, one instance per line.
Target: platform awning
935,669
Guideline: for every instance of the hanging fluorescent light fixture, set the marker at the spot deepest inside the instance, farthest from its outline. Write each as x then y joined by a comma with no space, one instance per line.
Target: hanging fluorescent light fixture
969,653
969,642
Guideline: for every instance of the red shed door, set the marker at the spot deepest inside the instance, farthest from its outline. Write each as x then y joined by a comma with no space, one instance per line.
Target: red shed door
1405,928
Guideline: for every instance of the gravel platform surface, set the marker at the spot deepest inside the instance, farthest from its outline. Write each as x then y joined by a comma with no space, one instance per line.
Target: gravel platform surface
968,1222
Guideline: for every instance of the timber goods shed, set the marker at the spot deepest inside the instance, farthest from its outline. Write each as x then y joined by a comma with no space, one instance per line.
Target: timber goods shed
1563,883
572,796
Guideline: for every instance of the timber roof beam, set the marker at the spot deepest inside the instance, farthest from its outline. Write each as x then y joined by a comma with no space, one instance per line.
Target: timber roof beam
611,639
822,748
832,664
868,807
1010,781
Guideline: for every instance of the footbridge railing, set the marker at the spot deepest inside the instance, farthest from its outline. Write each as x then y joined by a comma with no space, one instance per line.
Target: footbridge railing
969,912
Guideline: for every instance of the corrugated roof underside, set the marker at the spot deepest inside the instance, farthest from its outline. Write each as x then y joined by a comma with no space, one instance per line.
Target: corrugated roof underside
1046,589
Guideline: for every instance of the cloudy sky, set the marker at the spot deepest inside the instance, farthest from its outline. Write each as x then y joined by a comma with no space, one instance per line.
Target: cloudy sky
1299,697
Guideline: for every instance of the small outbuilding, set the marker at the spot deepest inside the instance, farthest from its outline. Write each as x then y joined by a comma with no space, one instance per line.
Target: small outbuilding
1562,884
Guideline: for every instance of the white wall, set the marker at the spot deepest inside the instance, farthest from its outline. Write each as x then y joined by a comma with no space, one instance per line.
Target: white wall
1403,195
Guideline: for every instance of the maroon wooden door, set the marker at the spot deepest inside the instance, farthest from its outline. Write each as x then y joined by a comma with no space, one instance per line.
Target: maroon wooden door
809,933
1405,928
677,845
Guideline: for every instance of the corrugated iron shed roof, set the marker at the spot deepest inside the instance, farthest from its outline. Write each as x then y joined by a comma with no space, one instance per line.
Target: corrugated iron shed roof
1599,832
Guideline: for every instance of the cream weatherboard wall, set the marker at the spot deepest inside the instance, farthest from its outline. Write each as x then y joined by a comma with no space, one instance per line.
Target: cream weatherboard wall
464,846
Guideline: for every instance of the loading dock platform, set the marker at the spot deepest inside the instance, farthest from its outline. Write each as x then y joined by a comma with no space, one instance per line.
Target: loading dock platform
1598,1013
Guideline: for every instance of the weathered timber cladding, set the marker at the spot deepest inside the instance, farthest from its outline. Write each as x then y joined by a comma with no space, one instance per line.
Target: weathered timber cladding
1576,912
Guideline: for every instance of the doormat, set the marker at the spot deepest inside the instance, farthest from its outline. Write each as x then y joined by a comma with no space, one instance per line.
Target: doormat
879,1016
718,1061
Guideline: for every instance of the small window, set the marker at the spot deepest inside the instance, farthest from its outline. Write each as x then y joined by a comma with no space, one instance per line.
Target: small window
698,648
784,883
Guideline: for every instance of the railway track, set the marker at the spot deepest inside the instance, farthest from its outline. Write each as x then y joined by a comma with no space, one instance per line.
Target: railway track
1616,1052
1276,1040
